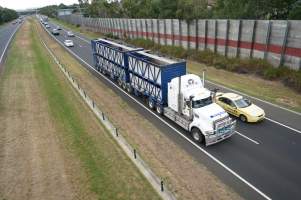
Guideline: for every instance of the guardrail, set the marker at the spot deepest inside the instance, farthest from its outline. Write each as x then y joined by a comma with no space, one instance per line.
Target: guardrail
156,182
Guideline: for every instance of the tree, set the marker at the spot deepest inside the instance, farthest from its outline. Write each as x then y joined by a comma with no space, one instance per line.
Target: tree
192,9
295,12
253,9
7,15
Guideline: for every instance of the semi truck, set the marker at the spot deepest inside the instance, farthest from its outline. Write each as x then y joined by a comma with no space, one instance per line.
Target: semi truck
166,88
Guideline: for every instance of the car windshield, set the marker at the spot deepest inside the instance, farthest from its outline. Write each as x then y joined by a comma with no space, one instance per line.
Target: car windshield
242,103
201,102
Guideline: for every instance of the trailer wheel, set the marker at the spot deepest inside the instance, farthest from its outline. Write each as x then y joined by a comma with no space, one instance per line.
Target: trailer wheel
159,109
124,86
197,135
129,89
151,104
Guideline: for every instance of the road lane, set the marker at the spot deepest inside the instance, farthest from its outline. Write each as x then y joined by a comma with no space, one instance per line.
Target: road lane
6,33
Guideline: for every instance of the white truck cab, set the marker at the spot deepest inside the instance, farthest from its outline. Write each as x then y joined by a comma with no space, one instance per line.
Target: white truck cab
191,106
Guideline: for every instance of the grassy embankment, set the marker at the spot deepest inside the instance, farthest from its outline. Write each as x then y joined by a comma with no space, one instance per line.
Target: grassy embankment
110,174
272,91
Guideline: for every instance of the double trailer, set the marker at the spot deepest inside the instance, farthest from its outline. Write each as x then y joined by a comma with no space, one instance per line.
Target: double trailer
150,76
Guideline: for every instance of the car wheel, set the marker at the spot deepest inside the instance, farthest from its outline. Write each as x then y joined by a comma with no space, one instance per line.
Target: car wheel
243,118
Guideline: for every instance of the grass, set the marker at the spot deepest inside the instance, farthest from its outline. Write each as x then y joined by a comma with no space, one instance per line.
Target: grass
110,173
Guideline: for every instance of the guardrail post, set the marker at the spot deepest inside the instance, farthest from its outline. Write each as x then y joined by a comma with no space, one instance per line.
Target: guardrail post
162,186
116,132
135,154
103,116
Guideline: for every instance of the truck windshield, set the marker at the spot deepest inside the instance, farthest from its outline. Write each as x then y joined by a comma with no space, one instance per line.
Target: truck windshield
201,102
242,103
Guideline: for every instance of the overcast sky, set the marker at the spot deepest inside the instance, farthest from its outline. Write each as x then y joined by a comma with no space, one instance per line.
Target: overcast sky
25,4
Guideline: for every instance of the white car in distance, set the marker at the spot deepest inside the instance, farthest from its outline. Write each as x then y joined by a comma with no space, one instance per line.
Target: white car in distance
70,34
69,43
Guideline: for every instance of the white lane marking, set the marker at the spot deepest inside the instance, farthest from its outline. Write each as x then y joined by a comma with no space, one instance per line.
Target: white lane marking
242,135
8,42
166,123
293,129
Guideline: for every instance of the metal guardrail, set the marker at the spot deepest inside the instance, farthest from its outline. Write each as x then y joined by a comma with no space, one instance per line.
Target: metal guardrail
156,182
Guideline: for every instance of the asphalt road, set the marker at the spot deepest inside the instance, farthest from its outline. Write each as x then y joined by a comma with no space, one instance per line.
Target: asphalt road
6,33
261,161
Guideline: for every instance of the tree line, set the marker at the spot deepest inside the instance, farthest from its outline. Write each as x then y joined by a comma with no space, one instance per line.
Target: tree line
7,15
185,9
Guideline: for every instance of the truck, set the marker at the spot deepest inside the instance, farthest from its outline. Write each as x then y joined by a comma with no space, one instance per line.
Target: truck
166,88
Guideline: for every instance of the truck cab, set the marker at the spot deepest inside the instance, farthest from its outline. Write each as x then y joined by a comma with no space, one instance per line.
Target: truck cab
191,106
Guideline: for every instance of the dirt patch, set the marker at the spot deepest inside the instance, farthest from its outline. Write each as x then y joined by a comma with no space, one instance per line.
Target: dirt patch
32,163
187,178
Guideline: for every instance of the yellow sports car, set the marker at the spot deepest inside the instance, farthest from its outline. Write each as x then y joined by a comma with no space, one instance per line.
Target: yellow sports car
240,107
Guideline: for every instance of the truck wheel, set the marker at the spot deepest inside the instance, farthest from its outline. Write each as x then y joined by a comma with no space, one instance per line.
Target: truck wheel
151,104
197,135
159,109
129,89
243,118
124,86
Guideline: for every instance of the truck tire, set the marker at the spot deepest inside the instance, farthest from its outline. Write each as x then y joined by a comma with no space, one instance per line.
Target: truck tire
159,109
197,135
243,118
151,104
129,89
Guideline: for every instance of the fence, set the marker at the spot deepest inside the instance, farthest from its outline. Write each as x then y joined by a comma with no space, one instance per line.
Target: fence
278,41
156,182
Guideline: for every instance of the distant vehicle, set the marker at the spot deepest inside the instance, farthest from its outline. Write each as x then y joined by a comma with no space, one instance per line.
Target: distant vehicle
55,32
58,28
240,107
45,23
47,26
68,43
70,34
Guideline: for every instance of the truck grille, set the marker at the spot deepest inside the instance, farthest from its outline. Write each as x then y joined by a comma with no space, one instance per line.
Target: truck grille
223,126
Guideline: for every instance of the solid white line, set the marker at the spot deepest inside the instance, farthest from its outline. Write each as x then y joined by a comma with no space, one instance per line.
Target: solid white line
242,135
293,129
166,123
8,42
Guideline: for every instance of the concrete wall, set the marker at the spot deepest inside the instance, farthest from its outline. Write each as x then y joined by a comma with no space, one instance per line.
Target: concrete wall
277,41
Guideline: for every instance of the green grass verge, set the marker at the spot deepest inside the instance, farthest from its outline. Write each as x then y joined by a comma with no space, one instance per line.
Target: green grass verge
111,174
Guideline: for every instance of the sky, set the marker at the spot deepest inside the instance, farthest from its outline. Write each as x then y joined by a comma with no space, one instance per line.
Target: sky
26,4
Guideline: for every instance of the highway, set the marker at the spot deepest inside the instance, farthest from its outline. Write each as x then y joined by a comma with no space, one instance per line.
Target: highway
261,161
6,34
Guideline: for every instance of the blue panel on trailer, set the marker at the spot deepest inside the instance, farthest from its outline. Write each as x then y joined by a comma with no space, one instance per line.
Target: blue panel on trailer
150,74
170,72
